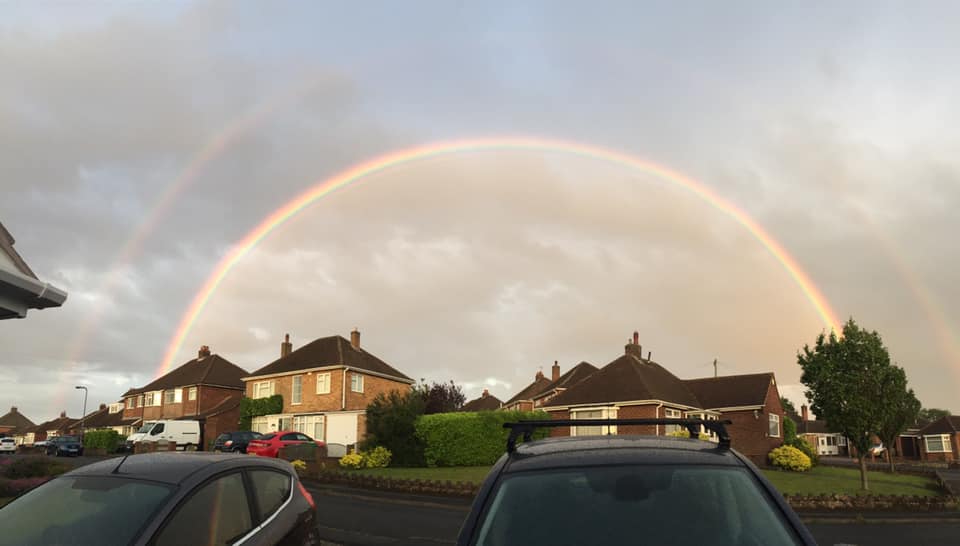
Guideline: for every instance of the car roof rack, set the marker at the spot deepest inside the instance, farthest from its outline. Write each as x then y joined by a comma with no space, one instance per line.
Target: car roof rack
526,428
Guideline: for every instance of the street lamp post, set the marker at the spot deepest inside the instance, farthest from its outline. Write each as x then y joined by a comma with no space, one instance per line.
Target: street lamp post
83,416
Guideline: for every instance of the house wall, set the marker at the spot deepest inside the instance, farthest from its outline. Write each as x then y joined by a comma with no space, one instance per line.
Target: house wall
941,457
520,405
215,425
749,434
311,402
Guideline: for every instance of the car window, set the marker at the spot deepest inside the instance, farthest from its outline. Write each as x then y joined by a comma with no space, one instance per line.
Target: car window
218,512
304,438
77,510
157,429
267,437
289,437
677,505
223,437
272,489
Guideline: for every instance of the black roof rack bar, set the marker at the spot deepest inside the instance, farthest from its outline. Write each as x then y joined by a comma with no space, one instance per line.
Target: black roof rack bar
526,428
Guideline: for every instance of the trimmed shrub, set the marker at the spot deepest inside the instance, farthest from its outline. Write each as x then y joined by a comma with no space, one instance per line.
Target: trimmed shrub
684,433
391,423
789,458
378,457
352,460
807,450
789,431
469,438
34,467
107,439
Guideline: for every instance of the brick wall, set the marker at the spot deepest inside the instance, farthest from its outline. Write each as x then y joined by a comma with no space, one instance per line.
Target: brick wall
941,457
227,421
749,434
640,412
312,402
207,398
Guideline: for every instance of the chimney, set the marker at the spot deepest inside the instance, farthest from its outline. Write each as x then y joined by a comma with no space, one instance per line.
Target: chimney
204,351
13,409
485,394
63,414
539,375
103,407
633,346
355,339
286,347
803,412
555,371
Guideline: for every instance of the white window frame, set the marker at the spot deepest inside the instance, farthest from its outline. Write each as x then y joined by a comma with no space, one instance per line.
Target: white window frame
325,377
263,389
259,424
944,438
192,394
296,384
139,401
605,413
773,418
356,382
131,403
670,413
148,399
177,396
172,396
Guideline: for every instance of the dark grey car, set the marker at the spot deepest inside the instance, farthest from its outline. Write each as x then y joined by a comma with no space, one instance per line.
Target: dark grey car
162,499
610,490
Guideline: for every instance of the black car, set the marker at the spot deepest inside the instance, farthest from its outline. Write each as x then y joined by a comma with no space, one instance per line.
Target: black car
235,442
617,489
164,499
64,445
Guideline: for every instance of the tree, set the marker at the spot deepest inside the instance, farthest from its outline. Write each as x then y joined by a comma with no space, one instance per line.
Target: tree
844,379
390,423
441,397
929,415
789,431
899,409
788,405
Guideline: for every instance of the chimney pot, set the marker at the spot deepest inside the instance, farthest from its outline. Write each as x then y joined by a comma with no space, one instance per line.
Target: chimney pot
286,347
63,414
103,406
539,375
636,337
13,409
803,412
486,393
204,351
555,371
355,339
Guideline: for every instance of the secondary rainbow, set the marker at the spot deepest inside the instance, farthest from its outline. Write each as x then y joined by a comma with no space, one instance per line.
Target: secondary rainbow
409,155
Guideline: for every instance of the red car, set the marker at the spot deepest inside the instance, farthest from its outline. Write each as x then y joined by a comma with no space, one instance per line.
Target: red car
269,445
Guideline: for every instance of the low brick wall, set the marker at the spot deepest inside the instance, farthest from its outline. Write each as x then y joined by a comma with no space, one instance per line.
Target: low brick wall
866,503
422,487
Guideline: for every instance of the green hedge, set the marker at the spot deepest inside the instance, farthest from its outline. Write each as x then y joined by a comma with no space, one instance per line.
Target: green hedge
258,407
108,439
469,438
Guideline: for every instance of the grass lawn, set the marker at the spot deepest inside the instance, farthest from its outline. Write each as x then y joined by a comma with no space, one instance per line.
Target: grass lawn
830,480
474,474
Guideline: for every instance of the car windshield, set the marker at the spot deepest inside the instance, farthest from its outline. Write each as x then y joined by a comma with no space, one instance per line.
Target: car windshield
66,439
145,428
678,505
81,510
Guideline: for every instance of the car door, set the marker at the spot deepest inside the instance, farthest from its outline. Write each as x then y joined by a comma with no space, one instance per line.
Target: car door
217,513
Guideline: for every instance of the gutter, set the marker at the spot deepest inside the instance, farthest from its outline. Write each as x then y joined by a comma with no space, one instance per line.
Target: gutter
33,294
343,387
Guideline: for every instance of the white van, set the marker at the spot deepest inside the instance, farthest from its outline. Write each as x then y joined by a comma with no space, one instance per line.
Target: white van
185,433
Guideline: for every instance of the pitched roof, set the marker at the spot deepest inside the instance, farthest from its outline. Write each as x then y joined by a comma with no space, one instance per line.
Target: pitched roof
573,376
18,421
224,406
330,351
539,386
731,391
627,378
6,246
102,418
944,425
484,403
58,424
207,370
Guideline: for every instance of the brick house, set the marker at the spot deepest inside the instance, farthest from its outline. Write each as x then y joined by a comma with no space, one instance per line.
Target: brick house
110,416
486,402
61,426
537,394
15,425
634,387
940,440
326,386
207,389
818,434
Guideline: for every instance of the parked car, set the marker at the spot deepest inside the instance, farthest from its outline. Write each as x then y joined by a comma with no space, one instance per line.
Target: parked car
40,443
621,489
164,499
235,442
8,445
64,445
185,433
269,445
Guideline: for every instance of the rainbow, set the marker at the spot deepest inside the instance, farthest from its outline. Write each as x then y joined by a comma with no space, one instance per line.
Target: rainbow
418,153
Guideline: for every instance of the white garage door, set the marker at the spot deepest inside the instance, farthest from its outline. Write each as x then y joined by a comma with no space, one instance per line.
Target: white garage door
342,429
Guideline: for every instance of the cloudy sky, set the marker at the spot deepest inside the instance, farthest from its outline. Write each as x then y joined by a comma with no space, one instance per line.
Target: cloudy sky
140,142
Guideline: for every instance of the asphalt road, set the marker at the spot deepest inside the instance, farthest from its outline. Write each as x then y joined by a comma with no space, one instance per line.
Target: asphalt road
360,518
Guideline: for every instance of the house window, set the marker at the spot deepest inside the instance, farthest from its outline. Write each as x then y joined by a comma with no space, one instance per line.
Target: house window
192,393
132,403
148,399
139,401
602,413
311,425
296,395
169,396
672,414
356,382
323,383
842,441
177,396
774,425
939,443
259,424
263,389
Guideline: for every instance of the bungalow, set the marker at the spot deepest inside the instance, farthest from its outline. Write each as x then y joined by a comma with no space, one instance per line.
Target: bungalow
818,434
110,416
326,386
941,440
20,289
206,389
16,425
634,387
486,402
537,394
